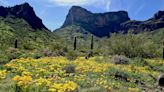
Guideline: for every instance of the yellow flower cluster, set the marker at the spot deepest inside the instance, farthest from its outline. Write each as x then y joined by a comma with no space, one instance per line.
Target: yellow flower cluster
155,61
90,65
133,90
66,87
50,73
2,74
42,81
23,81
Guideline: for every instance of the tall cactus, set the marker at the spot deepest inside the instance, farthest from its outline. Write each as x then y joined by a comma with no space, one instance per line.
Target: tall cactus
91,52
163,48
92,43
75,42
16,44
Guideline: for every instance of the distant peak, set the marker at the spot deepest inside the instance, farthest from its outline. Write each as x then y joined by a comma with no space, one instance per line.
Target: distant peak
99,24
76,7
79,9
24,11
159,15
26,4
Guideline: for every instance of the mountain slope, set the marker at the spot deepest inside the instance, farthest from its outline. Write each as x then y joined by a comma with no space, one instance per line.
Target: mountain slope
102,24
156,22
99,24
24,11
20,22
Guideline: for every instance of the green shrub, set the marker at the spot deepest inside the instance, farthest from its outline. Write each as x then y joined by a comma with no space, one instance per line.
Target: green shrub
120,59
70,69
138,61
35,55
145,45
13,53
3,58
72,55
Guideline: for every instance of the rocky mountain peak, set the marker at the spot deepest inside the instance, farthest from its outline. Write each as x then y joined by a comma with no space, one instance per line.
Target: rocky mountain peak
24,11
99,24
159,14
78,9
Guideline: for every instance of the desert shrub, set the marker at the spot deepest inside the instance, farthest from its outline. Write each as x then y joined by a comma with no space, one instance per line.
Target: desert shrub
13,53
72,55
119,75
138,61
135,45
60,52
120,59
35,55
31,45
3,58
70,69
47,52
58,46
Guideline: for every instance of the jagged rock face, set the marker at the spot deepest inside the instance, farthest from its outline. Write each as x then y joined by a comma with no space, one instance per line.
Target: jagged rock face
24,11
3,12
159,15
99,24
76,14
156,22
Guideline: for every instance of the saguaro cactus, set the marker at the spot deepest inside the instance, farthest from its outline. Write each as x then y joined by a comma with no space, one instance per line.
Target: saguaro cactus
75,42
163,48
91,52
16,44
92,43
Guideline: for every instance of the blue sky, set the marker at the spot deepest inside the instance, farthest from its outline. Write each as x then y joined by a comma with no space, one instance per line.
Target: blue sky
53,12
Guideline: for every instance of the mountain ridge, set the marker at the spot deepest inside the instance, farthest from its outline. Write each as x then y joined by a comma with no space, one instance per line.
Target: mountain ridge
24,11
95,21
102,24
98,24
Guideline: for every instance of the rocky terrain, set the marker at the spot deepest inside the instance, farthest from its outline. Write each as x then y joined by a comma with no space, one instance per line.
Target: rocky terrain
102,24
24,11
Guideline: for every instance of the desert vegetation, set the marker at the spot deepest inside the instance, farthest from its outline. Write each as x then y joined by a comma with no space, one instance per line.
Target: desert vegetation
58,74
130,62
88,54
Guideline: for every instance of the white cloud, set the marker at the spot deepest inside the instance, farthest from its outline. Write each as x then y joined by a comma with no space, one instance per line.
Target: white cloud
104,5
108,5
4,2
77,2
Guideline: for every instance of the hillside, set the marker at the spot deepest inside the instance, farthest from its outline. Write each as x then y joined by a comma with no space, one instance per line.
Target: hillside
24,11
20,26
21,23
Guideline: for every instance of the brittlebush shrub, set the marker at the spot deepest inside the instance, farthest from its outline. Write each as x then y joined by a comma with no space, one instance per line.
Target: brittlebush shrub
70,69
120,59
13,53
134,45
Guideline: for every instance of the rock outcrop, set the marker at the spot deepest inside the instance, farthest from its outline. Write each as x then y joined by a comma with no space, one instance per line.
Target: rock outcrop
24,11
99,24
102,24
